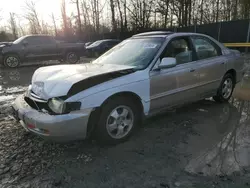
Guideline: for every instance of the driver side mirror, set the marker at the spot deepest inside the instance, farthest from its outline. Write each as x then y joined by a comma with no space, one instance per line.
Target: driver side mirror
167,62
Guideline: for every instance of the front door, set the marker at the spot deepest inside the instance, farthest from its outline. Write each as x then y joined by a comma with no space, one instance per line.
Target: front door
31,48
173,86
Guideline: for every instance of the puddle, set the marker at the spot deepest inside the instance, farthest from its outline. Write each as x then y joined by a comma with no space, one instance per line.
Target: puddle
222,146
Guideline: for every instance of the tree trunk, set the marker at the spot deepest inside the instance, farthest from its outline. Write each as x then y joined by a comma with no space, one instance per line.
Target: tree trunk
13,25
166,14
202,12
120,13
54,23
190,12
112,7
235,10
79,17
125,15
217,10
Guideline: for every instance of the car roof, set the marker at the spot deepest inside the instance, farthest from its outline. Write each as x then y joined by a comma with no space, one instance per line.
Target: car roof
38,35
105,40
164,34
150,33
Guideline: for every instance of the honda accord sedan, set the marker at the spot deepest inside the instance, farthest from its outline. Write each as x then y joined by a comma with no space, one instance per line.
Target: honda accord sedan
138,78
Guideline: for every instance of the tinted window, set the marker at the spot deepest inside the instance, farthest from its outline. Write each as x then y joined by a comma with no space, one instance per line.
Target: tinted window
205,48
110,43
180,49
34,40
47,40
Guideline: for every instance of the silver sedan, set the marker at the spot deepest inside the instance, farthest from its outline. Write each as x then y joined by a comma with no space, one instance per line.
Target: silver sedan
138,78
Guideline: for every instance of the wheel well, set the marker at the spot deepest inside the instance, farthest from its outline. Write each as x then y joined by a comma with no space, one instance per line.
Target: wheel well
8,54
233,72
94,116
130,95
66,52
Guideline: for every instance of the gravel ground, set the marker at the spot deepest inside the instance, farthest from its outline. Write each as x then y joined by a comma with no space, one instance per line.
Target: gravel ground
199,145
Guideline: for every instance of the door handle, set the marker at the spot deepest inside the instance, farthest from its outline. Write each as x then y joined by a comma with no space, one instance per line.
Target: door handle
192,70
223,63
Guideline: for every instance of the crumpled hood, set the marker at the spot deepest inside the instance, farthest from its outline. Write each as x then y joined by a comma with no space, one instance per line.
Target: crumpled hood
56,81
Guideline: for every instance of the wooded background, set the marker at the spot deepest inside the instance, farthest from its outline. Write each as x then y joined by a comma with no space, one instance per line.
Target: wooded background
95,19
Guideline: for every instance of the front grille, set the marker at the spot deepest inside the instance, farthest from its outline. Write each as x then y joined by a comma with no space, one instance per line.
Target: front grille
37,105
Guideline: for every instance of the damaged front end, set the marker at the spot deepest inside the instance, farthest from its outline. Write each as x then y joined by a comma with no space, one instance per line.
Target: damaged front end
53,106
51,118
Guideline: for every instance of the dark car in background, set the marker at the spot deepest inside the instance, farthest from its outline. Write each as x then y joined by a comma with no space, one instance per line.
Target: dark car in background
38,48
101,46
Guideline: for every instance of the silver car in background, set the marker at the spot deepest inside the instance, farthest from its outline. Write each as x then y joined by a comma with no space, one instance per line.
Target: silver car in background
139,77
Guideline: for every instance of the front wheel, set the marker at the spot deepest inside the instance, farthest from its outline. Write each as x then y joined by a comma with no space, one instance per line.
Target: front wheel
119,119
226,88
11,61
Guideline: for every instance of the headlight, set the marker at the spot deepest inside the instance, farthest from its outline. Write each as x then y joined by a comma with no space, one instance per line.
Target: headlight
58,106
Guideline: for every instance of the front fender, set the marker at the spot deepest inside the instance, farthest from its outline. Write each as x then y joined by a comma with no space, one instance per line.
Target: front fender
140,88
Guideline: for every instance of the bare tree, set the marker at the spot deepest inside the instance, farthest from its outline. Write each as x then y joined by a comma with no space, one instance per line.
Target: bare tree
54,23
32,16
112,7
64,18
79,22
13,25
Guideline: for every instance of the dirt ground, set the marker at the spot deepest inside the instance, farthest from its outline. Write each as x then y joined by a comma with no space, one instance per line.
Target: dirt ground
199,145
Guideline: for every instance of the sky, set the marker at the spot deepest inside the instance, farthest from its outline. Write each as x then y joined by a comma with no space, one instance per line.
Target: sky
44,7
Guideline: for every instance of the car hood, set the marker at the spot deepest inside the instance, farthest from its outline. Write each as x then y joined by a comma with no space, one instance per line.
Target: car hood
3,44
56,81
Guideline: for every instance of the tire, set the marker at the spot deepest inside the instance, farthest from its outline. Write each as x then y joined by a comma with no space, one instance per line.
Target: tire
11,61
108,127
72,57
226,88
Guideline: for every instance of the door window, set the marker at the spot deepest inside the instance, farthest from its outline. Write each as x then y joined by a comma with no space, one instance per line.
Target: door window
205,48
33,40
47,40
180,49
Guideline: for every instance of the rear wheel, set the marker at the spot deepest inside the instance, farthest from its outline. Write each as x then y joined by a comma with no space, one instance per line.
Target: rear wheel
11,61
118,120
226,88
72,57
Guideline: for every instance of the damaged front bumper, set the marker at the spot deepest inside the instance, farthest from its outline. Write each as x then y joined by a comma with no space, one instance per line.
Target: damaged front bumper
72,126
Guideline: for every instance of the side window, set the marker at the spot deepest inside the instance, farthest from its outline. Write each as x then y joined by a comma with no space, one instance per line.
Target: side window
110,43
47,40
180,49
205,48
33,40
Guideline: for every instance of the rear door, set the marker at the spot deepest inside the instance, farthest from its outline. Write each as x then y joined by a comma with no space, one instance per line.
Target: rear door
172,86
48,47
211,64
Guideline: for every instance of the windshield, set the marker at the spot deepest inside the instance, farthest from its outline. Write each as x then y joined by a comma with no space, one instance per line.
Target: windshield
96,43
19,40
135,52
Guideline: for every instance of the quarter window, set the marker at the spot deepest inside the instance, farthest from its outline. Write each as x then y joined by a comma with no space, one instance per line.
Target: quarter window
180,49
205,48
